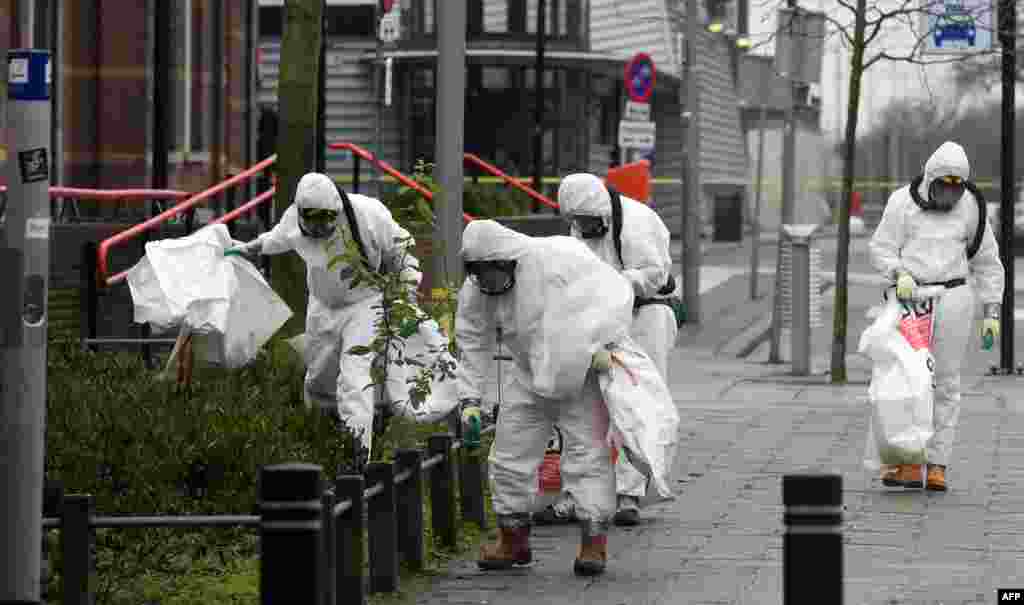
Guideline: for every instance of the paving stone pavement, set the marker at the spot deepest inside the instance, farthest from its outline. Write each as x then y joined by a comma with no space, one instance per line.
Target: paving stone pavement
745,425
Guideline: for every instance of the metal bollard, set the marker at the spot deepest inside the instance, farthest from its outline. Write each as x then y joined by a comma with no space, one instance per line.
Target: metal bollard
383,536
471,486
76,544
813,539
409,506
290,534
329,558
89,297
800,295
442,491
350,541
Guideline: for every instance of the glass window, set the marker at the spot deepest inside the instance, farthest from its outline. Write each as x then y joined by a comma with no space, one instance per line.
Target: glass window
549,14
496,16
193,91
495,78
350,21
271,21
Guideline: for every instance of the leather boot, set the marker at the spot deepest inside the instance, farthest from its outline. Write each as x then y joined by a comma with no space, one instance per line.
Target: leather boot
512,547
593,555
936,478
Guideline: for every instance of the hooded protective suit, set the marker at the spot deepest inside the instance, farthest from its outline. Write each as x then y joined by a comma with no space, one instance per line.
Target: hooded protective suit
646,262
565,305
932,247
338,316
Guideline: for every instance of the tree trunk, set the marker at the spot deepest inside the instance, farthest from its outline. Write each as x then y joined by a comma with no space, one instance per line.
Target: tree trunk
296,140
843,248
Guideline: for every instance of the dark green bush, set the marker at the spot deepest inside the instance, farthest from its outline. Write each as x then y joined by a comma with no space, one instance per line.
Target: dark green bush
138,447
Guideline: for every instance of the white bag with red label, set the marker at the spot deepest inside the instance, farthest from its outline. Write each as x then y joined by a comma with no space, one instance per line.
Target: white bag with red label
902,382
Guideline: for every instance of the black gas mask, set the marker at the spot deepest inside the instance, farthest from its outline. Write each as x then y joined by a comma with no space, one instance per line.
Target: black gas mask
589,226
317,223
944,193
493,277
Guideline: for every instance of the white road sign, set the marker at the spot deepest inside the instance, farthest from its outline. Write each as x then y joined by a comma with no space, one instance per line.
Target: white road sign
637,112
636,135
390,27
958,26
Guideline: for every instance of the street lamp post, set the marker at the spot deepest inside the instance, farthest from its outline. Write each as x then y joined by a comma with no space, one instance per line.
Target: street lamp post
691,173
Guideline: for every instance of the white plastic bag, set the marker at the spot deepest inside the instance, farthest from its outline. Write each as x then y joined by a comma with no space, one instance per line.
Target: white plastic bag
224,302
643,413
901,390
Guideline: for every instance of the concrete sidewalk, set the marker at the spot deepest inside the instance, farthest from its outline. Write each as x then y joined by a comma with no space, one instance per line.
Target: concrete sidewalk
746,423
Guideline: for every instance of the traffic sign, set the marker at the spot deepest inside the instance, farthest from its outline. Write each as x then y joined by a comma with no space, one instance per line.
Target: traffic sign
636,135
639,77
637,112
390,28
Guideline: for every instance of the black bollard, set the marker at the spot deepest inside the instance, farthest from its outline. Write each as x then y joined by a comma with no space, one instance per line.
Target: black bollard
812,548
291,534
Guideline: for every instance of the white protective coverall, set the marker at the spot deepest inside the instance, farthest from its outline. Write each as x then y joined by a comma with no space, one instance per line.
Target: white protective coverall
932,247
340,317
565,305
647,264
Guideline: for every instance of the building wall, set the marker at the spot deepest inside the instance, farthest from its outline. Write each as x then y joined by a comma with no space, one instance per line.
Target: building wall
6,36
350,103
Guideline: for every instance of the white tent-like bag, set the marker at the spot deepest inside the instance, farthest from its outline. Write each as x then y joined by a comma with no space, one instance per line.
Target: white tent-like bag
223,301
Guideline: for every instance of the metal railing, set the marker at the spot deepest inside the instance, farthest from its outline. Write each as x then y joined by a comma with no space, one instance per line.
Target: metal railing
517,183
74,194
382,509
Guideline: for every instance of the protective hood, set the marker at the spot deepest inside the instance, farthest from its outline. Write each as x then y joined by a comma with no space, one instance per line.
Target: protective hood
318,191
949,159
584,193
485,240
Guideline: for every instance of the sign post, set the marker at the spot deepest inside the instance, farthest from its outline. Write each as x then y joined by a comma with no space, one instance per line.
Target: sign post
24,269
636,130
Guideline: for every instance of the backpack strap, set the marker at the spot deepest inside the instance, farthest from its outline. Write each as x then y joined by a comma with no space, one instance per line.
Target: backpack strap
979,231
350,216
616,221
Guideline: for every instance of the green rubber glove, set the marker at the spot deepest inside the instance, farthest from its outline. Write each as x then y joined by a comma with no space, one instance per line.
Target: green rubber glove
989,332
905,286
601,361
233,252
471,427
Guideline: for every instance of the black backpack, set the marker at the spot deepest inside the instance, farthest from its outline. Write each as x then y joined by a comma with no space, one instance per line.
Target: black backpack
979,232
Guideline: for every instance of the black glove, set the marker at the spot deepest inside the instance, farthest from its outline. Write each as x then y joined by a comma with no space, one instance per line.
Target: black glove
669,287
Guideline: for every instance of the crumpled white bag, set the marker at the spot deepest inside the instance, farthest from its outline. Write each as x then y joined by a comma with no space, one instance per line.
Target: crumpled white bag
900,394
644,418
223,301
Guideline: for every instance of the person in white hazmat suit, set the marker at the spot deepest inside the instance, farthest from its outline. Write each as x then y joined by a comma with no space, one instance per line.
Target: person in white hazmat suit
923,240
631,237
339,317
559,307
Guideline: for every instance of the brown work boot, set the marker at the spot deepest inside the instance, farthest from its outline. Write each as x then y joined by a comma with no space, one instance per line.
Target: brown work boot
936,478
512,547
903,475
593,556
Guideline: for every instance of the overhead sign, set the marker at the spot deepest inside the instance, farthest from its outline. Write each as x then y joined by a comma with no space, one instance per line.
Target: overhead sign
637,112
639,78
636,135
963,26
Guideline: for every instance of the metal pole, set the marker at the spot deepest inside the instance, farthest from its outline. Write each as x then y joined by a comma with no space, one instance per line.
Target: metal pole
755,247
800,301
25,268
788,210
378,101
691,174
291,537
813,516
538,115
27,22
1007,33
321,103
450,119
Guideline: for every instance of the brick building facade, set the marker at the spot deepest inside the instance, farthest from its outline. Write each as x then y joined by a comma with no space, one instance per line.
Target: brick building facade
104,106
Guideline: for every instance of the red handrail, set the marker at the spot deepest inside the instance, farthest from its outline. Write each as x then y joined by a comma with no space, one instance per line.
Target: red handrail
246,207
118,238
388,169
510,180
113,194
